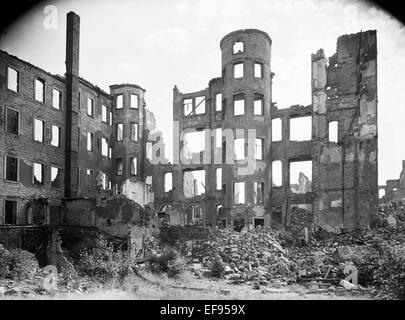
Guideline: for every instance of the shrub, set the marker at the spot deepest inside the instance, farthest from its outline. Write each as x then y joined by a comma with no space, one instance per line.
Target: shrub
169,261
17,264
217,268
385,268
103,263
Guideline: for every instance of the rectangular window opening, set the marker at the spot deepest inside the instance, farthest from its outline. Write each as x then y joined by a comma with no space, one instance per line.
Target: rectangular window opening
56,130
218,102
133,162
258,192
193,183
104,112
134,101
333,127
239,192
277,174
301,176
12,121
259,149
301,129
40,90
38,174
56,98
218,176
10,212
11,168
168,181
55,177
258,70
134,132
238,70
258,104
38,130
90,106
120,101
120,131
13,77
89,141
119,166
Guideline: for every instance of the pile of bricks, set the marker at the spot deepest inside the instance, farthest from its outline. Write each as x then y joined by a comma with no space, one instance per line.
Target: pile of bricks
247,256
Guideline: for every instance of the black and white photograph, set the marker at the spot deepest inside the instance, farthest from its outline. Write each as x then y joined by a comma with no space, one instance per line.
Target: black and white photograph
212,150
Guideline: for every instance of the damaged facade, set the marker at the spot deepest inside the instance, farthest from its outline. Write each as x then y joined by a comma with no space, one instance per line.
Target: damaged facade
394,189
340,144
65,144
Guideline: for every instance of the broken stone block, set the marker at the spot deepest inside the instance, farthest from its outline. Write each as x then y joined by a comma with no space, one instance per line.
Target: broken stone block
347,285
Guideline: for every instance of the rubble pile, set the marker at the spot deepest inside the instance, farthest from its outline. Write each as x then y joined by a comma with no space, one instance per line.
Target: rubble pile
247,255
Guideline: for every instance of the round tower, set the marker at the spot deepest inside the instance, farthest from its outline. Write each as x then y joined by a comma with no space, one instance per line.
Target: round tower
128,129
246,128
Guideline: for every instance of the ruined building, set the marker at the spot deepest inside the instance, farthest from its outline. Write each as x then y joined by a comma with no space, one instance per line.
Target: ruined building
64,141
394,189
226,173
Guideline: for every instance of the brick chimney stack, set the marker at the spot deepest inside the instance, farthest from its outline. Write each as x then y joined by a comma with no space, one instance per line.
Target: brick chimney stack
72,103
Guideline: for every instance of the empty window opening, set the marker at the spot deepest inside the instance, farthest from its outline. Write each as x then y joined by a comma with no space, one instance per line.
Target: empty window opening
277,174
239,192
38,174
238,47
239,148
149,150
218,178
300,176
149,180
218,137
300,129
239,104
276,130
333,131
119,166
258,70
120,101
218,209
55,177
104,147
10,212
89,141
194,142
109,152
90,106
222,223
133,166
259,149
12,121
111,119
11,168
103,181
238,70
187,106
120,132
89,178
224,152
305,206
276,218
134,132
134,101
218,102
258,105
104,112
38,130
40,90
56,136
258,192
199,105
223,109
56,98
12,79
238,224
258,222
168,181
381,193
193,183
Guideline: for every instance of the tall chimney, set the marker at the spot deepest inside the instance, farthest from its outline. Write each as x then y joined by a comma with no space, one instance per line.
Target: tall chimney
72,104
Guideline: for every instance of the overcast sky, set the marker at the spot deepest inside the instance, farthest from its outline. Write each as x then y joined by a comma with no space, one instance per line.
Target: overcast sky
160,43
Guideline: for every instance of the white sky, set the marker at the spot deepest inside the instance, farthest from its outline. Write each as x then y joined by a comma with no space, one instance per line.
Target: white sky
158,43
